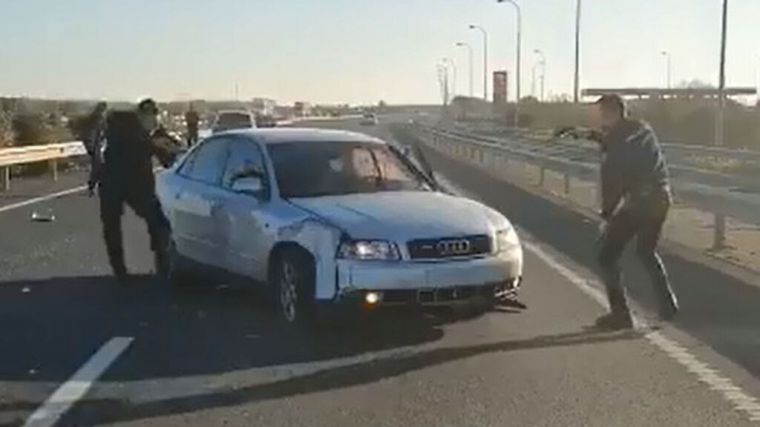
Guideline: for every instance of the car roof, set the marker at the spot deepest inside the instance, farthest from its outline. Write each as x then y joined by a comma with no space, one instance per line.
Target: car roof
285,135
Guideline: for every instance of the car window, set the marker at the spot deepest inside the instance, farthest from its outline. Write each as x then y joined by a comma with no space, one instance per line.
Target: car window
207,162
234,120
243,156
331,168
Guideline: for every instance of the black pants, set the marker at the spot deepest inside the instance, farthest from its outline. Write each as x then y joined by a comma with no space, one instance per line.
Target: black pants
142,200
192,136
644,221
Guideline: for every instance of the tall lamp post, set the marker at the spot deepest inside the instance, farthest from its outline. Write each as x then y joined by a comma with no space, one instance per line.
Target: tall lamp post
517,65
666,54
719,231
485,58
469,51
450,62
543,70
576,79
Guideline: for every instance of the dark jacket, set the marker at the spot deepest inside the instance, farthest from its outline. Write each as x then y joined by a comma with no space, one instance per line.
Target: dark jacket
130,150
633,166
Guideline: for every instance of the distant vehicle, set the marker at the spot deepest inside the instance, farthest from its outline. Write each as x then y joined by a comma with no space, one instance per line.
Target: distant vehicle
326,219
265,121
230,120
369,119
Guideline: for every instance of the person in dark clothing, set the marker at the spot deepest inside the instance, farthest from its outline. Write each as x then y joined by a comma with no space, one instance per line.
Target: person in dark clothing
636,198
192,119
93,138
127,178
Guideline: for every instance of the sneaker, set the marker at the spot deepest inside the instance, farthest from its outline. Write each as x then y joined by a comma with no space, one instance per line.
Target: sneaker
614,322
669,309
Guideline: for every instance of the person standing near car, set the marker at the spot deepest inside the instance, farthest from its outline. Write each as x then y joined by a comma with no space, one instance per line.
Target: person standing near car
636,197
127,178
191,120
93,138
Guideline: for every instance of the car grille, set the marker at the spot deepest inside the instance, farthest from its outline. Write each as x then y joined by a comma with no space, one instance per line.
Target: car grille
449,247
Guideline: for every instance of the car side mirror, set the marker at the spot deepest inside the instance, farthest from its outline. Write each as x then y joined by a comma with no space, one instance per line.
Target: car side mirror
252,185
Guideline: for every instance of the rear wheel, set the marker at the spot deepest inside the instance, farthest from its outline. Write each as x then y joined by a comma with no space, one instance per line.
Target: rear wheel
173,269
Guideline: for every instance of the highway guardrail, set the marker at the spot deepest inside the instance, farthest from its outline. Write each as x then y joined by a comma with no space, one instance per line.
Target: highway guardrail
37,153
721,201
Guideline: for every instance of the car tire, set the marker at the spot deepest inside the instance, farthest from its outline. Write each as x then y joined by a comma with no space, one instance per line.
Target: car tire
293,287
173,270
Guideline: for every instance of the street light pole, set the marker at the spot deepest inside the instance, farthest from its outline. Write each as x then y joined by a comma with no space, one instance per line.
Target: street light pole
443,81
666,54
469,49
517,66
576,89
722,78
543,70
453,65
485,59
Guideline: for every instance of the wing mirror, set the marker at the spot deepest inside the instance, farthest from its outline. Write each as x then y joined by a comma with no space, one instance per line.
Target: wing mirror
249,181
248,185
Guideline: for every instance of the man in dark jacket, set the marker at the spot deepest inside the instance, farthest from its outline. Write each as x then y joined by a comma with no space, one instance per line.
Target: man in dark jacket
636,198
94,134
127,178
191,120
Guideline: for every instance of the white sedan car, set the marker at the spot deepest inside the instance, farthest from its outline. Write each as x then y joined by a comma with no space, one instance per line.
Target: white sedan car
328,218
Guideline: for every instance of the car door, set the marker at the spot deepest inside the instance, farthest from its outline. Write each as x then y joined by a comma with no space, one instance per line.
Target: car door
241,215
196,202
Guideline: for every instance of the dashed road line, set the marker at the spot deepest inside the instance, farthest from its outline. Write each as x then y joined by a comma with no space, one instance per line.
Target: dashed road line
42,198
77,386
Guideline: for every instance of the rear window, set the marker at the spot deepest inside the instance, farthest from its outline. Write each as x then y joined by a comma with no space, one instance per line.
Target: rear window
234,119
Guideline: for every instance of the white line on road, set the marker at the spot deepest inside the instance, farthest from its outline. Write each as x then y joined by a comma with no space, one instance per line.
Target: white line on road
42,198
738,398
72,390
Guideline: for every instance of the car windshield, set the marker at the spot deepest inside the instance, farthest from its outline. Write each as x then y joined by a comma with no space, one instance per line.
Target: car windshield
311,169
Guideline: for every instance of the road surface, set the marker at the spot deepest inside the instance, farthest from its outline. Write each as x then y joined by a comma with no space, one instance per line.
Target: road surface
80,350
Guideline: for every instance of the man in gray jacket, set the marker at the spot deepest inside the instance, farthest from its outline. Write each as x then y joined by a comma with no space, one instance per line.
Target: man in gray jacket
636,198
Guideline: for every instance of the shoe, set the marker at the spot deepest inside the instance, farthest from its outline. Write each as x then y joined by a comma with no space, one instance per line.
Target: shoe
614,322
669,309
121,275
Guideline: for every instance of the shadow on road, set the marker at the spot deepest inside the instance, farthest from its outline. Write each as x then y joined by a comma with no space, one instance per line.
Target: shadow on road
49,328
107,411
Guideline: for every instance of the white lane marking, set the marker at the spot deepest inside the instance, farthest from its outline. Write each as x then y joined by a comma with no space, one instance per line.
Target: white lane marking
734,395
42,198
72,390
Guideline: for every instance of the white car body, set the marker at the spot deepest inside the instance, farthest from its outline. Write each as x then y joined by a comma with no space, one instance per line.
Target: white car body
240,233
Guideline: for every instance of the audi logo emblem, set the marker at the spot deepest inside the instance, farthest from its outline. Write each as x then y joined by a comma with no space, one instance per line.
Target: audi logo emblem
453,247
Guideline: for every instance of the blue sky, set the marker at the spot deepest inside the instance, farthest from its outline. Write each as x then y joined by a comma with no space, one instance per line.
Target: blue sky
354,51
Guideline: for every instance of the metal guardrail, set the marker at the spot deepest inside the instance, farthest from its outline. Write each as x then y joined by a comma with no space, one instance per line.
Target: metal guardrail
721,201
37,153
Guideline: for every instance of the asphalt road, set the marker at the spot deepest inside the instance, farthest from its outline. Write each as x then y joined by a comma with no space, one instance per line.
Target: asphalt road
216,355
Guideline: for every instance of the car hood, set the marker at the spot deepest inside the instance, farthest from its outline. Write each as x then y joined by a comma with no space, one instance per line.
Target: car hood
404,215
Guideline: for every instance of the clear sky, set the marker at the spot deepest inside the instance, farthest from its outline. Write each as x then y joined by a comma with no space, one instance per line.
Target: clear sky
355,51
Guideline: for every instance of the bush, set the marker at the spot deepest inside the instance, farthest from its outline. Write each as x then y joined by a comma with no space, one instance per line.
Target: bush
31,129
6,130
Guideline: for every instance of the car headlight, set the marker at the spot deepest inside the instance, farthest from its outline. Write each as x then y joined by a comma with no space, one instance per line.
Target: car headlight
369,250
506,239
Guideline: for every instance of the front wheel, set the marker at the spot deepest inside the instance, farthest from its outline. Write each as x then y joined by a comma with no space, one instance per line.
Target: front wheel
294,287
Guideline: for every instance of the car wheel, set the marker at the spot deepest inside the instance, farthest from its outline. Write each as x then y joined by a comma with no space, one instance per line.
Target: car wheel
294,287
172,269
